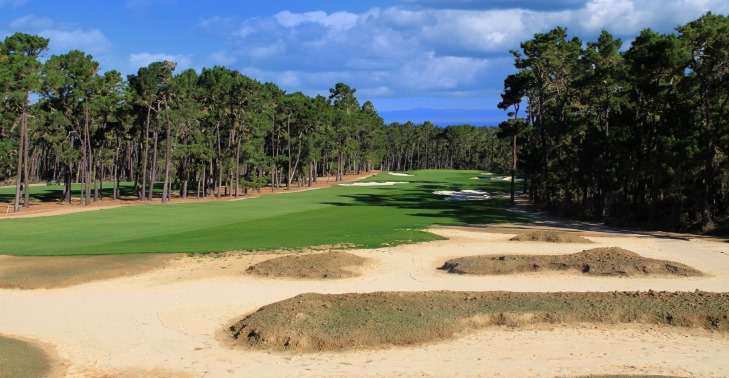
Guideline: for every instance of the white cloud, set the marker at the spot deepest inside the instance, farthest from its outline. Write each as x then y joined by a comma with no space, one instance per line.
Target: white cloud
417,50
144,59
222,58
63,36
337,21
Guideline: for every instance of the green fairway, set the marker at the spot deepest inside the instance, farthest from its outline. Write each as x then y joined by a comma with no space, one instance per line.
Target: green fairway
363,216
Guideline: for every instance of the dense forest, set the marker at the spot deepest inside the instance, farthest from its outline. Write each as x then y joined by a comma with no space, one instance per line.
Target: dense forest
217,133
634,136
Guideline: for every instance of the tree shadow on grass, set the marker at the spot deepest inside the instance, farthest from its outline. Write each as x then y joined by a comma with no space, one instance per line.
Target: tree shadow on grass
420,202
53,193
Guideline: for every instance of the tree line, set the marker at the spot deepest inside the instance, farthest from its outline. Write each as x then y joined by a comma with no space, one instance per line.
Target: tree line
217,132
637,135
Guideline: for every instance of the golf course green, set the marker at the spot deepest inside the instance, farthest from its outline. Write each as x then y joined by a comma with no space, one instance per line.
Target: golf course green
365,216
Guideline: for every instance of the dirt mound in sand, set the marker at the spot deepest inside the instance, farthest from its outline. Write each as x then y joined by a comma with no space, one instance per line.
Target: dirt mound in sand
47,272
22,359
598,262
329,265
551,236
325,322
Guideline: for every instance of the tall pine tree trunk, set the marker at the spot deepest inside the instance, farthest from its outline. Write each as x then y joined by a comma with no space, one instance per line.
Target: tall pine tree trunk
143,196
166,189
153,168
21,157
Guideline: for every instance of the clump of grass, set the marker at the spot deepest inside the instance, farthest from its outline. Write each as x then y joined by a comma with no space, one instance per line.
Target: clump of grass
328,265
611,261
21,359
61,271
321,322
551,236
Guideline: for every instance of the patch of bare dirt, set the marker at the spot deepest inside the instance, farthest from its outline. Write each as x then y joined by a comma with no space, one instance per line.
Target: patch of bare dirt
325,322
551,237
610,261
327,265
47,272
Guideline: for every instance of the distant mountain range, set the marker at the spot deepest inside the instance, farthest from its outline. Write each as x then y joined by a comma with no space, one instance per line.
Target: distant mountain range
446,117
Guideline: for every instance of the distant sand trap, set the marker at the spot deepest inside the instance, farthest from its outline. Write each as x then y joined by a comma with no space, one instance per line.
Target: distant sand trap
496,178
375,183
464,195
400,174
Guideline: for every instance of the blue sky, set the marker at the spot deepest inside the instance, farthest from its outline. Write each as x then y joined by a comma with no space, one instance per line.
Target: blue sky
438,60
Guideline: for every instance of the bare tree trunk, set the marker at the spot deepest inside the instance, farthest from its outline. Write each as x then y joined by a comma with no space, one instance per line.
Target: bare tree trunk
143,196
21,155
26,147
89,156
237,167
166,189
219,161
153,168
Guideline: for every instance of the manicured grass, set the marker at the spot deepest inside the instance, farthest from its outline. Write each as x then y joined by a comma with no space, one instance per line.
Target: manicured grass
364,216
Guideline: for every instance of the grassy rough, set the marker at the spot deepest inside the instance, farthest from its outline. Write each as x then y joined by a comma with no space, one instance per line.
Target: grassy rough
62,271
551,237
327,265
320,322
19,359
597,262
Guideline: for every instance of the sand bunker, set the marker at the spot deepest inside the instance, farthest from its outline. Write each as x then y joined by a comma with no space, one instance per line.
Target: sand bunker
597,262
551,237
400,174
328,265
464,195
375,183
322,322
492,178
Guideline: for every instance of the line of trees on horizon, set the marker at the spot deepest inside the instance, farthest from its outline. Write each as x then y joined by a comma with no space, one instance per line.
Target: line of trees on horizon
217,132
637,136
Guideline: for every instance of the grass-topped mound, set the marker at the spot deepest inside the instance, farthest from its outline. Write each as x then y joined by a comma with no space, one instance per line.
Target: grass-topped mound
598,262
19,359
61,271
325,322
551,237
327,265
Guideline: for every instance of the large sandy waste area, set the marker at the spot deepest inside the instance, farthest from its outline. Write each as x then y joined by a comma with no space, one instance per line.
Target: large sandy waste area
171,321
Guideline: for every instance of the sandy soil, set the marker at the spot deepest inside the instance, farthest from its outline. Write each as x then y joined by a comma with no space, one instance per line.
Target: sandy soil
40,209
171,322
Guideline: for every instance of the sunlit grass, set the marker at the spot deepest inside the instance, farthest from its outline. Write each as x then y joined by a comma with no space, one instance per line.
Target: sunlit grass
362,216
